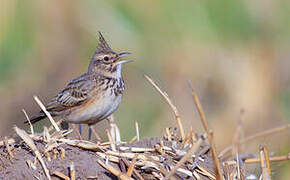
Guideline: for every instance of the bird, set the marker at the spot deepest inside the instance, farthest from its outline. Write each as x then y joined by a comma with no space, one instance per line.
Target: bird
93,96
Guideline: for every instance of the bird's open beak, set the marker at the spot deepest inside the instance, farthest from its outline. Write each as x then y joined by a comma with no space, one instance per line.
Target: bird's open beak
124,61
124,54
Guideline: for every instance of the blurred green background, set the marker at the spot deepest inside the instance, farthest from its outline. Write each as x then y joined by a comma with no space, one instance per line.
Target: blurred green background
236,53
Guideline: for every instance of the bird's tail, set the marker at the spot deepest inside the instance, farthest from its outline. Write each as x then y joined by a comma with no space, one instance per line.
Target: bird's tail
37,117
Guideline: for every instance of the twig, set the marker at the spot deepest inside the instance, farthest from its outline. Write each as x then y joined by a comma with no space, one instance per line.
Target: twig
72,171
256,160
185,158
59,174
257,135
169,102
137,131
210,134
31,126
114,171
46,113
32,146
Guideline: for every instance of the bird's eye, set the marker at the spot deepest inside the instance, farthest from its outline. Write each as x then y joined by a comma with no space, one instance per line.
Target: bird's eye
106,58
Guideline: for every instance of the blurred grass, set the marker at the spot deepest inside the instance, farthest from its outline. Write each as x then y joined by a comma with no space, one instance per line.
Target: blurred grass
17,39
235,52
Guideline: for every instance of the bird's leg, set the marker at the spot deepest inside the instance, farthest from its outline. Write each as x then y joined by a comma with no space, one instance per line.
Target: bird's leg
80,128
114,130
92,130
90,133
77,131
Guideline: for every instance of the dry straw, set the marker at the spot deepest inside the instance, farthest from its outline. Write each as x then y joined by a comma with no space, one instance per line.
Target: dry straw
173,107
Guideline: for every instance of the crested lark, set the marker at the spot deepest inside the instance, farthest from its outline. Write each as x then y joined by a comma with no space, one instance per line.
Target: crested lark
94,95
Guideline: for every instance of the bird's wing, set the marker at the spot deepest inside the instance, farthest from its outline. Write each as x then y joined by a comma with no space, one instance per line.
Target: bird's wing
75,93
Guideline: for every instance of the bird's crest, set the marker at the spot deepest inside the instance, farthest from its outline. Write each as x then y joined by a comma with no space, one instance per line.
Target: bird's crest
103,46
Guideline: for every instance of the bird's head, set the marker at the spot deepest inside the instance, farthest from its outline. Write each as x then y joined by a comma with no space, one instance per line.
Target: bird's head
105,60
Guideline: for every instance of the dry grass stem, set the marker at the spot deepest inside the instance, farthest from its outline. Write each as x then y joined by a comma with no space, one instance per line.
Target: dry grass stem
133,139
137,130
195,174
81,144
255,136
112,143
131,167
168,134
169,102
8,148
210,134
72,171
205,172
47,155
227,171
135,172
136,149
51,127
132,155
31,165
97,136
257,160
9,141
184,171
32,146
199,108
217,167
60,175
46,113
267,160
114,171
108,157
31,126
264,164
62,153
185,158
54,154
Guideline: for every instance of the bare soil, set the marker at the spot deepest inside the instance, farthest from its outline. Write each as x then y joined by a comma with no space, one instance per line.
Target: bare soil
85,162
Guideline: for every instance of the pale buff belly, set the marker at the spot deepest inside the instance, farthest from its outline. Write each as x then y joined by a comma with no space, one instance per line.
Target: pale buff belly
95,110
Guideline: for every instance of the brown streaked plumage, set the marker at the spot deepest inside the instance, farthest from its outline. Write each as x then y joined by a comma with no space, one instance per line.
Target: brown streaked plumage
94,95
